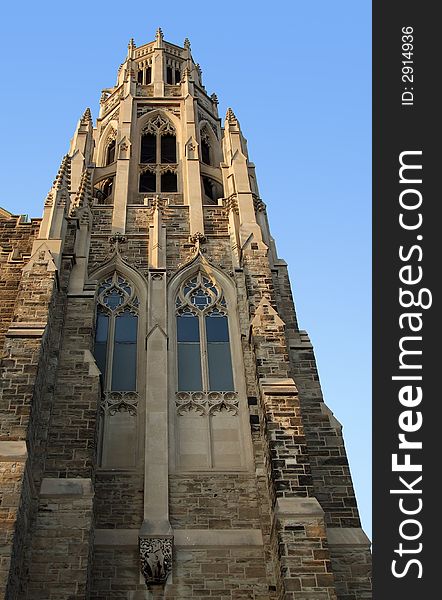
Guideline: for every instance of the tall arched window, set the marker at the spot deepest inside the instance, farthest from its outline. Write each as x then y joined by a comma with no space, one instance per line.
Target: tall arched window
110,153
209,411
206,153
204,357
116,334
158,149
116,356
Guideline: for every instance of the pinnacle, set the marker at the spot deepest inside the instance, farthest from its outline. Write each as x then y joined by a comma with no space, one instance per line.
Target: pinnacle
159,33
187,43
230,115
87,117
131,43
63,176
84,189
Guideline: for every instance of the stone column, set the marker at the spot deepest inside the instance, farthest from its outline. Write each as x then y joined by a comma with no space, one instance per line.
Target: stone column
155,536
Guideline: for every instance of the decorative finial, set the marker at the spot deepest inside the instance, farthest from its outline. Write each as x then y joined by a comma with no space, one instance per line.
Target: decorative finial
230,115
187,44
131,44
87,117
159,35
214,98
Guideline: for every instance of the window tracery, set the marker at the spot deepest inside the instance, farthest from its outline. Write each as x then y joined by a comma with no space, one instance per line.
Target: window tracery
207,404
116,334
158,156
204,356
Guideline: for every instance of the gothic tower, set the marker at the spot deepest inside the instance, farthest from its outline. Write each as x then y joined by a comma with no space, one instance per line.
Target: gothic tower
162,428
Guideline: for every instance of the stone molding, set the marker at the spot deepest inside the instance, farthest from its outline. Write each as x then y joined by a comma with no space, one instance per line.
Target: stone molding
298,507
349,537
184,537
13,451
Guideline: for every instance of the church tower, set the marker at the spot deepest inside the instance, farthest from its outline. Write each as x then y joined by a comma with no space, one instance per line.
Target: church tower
162,427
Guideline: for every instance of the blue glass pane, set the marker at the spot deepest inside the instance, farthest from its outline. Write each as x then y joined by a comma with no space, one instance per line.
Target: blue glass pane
217,328
200,298
124,367
102,327
188,329
189,367
126,327
113,299
220,367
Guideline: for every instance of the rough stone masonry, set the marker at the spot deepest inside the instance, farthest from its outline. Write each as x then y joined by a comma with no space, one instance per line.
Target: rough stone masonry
162,427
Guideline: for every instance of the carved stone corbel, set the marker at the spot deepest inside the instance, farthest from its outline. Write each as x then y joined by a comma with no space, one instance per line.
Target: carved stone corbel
156,558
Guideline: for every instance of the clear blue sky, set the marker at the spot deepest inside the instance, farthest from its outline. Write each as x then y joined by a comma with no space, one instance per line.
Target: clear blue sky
298,76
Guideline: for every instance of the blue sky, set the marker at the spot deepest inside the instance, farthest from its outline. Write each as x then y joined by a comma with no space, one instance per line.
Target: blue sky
298,77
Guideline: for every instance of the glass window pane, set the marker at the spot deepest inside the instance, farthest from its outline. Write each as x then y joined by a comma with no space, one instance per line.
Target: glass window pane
126,327
148,148
177,76
148,75
113,299
147,182
205,152
169,75
124,367
100,352
188,329
220,367
102,327
189,367
168,182
168,149
217,329
110,153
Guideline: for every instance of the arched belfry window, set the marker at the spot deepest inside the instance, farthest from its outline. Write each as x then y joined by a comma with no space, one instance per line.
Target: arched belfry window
158,149
116,334
204,355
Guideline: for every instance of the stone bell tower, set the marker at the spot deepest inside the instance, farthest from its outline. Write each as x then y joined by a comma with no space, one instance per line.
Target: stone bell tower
162,430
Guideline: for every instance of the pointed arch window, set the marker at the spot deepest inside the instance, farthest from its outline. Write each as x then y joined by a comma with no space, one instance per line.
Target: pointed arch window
204,354
110,153
116,334
206,152
158,149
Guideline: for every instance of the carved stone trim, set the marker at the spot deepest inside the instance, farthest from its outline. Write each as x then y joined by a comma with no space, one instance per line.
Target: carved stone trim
206,403
207,118
259,205
114,402
156,558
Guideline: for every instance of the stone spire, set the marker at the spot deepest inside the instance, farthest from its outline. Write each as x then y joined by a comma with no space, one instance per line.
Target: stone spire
187,44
